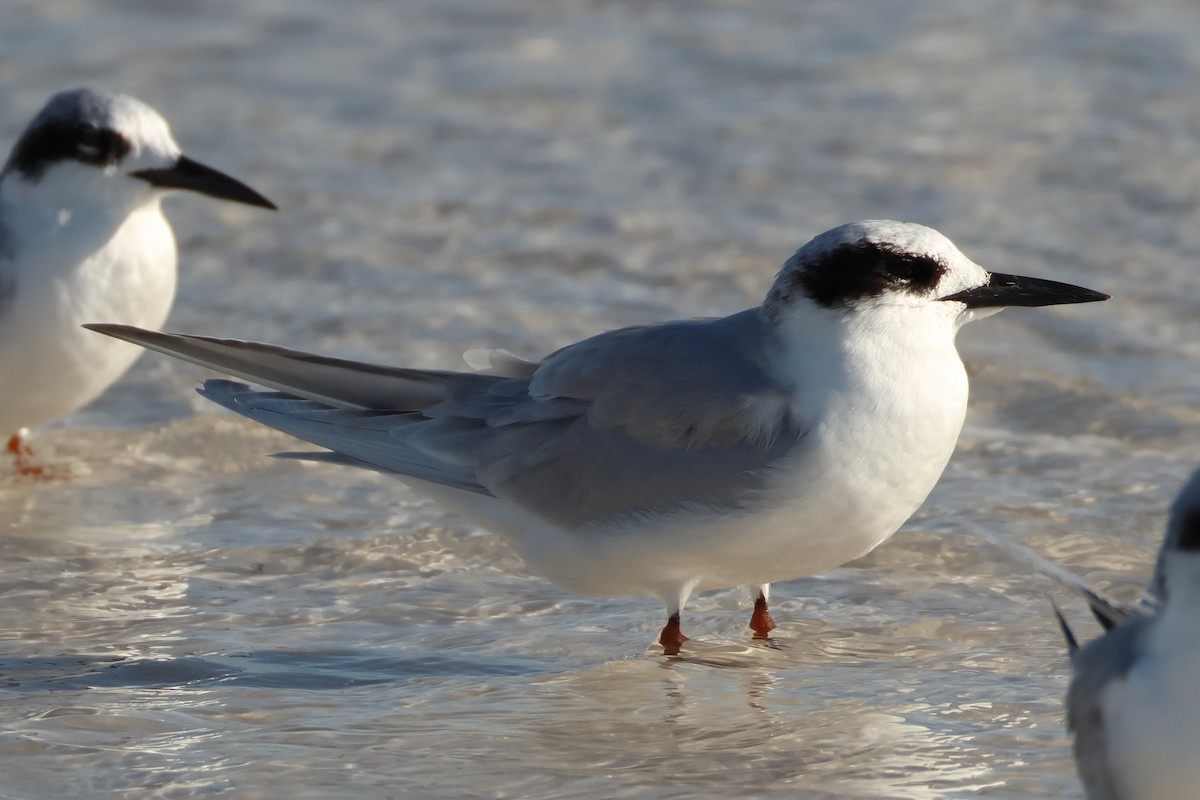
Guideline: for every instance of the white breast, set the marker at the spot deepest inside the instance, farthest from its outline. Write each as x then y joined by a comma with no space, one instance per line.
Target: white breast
1152,716
49,365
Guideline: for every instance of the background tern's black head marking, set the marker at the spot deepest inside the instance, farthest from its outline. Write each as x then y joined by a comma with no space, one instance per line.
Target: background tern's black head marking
1187,534
859,270
1183,533
72,127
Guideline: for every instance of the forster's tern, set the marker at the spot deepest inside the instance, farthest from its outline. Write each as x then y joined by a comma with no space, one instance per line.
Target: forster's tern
1133,703
667,459
82,237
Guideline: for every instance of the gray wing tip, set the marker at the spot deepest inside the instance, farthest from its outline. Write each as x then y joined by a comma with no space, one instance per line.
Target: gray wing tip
133,333
222,392
1068,634
119,331
326,457
221,383
106,326
139,336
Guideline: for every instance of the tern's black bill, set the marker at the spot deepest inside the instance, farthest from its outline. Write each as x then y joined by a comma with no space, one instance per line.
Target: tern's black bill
196,177
1017,290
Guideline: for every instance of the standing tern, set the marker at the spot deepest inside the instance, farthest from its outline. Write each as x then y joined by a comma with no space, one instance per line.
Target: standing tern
1132,703
83,237
667,459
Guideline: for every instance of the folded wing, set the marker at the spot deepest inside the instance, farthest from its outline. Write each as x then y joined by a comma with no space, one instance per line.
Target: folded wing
636,421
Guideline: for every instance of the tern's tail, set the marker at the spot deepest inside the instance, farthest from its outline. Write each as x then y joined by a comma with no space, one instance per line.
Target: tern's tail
370,439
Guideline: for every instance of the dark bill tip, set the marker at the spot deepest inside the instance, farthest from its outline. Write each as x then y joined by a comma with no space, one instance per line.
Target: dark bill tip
1016,290
196,177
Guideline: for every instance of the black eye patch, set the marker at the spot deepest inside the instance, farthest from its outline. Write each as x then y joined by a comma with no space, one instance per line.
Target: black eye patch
856,271
57,141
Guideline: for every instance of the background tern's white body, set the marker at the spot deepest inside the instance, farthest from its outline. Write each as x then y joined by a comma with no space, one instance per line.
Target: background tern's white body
104,262
1151,715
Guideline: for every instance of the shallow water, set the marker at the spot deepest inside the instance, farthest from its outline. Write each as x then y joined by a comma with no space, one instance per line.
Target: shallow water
187,617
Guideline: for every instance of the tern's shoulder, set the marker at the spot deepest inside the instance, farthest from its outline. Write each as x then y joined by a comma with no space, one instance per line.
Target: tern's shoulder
696,380
1101,661
1097,665
734,349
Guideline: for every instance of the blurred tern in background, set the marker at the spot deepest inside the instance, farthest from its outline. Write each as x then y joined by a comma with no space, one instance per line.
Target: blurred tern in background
667,459
82,237
1133,703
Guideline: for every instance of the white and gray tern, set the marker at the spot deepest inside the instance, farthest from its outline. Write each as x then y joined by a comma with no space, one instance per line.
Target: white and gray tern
82,237
1133,704
667,459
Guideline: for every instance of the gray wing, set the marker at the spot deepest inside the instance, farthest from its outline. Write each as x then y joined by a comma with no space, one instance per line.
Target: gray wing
633,421
8,274
1106,659
653,418
695,383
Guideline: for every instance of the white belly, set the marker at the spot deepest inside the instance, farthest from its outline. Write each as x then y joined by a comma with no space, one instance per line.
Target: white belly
822,510
49,365
1153,728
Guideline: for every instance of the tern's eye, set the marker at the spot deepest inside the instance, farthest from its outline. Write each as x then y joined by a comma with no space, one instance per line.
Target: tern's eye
901,269
90,145
918,272
99,146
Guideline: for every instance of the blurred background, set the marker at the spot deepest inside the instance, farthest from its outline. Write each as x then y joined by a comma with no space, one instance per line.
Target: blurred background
188,617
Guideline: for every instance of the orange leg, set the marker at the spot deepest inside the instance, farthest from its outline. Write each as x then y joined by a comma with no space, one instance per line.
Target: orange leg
24,457
760,621
671,637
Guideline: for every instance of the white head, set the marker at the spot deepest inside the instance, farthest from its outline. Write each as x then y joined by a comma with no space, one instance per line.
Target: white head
874,265
109,150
